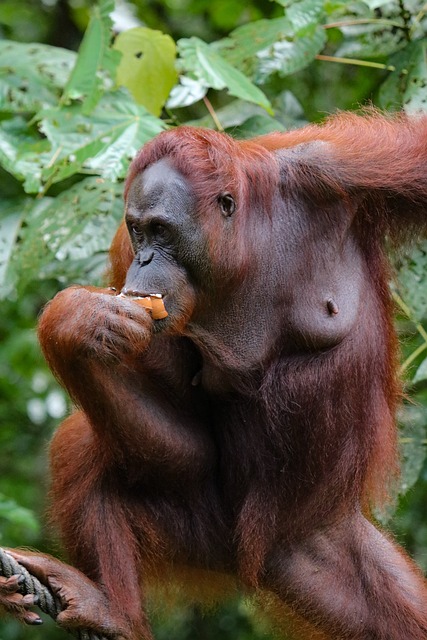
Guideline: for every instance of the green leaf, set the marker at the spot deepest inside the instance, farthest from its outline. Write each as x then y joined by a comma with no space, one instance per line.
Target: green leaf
186,92
421,373
283,45
242,46
10,222
294,51
53,239
147,66
32,76
413,422
288,110
406,86
103,143
376,40
290,54
256,125
23,153
96,62
412,277
202,62
232,115
305,13
245,119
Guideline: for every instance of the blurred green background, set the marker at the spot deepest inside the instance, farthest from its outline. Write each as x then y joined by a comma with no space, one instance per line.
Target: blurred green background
69,125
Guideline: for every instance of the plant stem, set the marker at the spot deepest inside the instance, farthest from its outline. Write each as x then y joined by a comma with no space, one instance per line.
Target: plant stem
360,63
212,113
350,23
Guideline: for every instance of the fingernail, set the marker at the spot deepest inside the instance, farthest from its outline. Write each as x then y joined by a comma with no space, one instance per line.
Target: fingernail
21,579
37,621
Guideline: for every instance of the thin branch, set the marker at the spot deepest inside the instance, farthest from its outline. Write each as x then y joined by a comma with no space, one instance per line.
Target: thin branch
360,63
350,23
54,158
213,115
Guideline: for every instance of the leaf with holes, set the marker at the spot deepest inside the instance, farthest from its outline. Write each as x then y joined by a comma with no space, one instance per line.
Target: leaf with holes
147,66
296,50
32,76
22,153
407,86
282,45
102,143
241,47
290,54
304,13
53,239
371,41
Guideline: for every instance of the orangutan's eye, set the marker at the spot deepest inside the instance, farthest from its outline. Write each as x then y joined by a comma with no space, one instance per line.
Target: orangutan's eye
227,204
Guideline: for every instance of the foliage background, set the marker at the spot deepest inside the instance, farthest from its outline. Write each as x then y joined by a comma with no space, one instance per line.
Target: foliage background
71,122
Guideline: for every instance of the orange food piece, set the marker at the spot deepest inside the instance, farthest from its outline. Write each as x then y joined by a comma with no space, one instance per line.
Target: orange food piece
154,305
158,307
143,302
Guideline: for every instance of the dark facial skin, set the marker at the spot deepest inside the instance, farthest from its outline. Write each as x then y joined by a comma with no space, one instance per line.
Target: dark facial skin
165,239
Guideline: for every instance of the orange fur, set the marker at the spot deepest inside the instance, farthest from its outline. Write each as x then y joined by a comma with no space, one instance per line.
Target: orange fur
262,471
